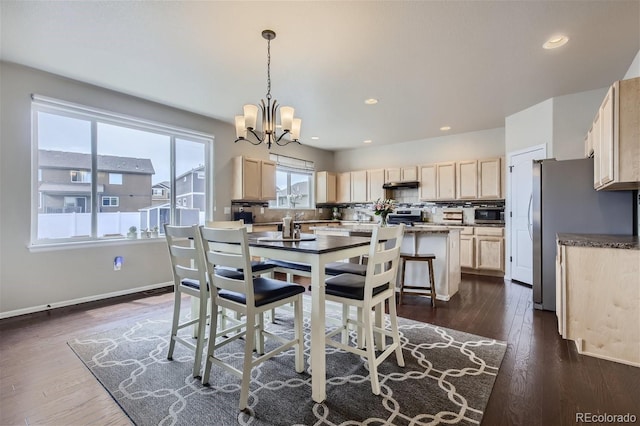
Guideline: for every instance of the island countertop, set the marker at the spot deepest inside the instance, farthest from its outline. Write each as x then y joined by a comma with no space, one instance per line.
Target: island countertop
629,242
369,229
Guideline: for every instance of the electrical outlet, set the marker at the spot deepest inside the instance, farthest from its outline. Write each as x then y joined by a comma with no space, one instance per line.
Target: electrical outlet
320,211
261,210
117,263
227,210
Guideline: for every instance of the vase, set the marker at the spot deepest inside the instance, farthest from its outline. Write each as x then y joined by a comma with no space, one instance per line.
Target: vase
383,219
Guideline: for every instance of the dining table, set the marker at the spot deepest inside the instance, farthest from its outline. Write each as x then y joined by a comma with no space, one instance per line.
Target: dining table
317,251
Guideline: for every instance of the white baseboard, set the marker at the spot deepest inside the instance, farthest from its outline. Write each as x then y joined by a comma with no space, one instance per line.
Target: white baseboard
62,304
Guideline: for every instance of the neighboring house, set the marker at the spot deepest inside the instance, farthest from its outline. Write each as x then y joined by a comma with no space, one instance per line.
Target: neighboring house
190,189
64,182
299,195
161,193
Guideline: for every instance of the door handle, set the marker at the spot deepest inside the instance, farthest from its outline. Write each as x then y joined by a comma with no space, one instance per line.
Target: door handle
529,222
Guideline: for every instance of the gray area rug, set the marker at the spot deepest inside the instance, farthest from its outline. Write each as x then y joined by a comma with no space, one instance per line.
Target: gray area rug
447,379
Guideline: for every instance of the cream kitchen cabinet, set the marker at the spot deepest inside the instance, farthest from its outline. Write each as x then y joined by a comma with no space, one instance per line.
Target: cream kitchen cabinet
343,187
401,174
359,186
482,250
616,136
598,301
467,180
375,180
326,187
446,181
253,179
490,178
428,182
479,179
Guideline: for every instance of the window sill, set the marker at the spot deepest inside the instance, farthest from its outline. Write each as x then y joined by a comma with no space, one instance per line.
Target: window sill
75,245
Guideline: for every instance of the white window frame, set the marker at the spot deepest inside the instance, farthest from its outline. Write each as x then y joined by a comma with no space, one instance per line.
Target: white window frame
83,175
95,116
115,181
295,165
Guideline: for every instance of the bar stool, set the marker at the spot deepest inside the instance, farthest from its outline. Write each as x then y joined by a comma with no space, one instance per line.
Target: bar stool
428,291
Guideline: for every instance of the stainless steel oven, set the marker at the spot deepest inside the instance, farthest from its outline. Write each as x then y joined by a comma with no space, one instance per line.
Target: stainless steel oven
407,216
489,215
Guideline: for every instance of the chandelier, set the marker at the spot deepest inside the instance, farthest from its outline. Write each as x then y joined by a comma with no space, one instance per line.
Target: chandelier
247,122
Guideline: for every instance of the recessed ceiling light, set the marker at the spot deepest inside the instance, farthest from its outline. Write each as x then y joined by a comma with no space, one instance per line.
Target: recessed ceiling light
315,138
445,128
367,141
371,101
555,42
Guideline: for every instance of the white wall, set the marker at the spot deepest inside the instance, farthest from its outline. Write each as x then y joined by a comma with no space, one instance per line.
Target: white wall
530,127
464,146
32,280
634,69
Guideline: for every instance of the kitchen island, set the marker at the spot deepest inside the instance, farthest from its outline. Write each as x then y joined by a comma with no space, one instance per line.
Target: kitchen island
443,242
598,295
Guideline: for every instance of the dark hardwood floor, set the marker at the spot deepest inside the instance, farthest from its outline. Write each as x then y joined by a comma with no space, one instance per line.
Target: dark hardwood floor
542,380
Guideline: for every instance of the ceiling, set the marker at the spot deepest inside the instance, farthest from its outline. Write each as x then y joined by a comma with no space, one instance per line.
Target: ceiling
464,64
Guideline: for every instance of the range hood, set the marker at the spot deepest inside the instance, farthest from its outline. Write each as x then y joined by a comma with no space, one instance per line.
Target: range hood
399,185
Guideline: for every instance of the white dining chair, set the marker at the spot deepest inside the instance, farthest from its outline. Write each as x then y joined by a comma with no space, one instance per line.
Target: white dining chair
251,297
366,293
189,278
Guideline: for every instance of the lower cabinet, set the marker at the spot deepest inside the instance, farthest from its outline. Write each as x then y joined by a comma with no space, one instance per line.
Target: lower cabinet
482,250
598,301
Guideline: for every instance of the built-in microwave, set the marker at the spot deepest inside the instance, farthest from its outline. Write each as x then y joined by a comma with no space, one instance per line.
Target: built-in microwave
489,215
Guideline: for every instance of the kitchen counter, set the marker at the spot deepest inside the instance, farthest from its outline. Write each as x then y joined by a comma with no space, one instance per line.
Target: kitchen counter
628,242
369,229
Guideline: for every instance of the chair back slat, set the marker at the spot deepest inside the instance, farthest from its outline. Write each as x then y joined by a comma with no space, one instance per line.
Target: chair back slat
384,257
187,255
228,248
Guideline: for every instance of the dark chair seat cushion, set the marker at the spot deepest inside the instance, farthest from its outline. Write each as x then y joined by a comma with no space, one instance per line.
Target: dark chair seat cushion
266,290
337,268
350,286
225,272
260,267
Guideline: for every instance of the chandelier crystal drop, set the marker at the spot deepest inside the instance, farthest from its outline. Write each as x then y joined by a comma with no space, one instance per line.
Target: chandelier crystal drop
247,123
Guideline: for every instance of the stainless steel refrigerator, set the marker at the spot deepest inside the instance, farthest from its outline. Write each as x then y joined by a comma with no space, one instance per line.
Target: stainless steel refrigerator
564,201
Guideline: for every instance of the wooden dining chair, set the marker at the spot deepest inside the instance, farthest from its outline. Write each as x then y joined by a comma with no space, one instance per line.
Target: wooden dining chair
251,297
189,278
366,293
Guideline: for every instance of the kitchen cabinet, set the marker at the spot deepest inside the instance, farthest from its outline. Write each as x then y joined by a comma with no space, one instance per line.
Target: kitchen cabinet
467,247
359,186
482,250
446,181
598,301
490,178
326,187
343,187
467,180
615,135
428,182
253,179
401,174
375,180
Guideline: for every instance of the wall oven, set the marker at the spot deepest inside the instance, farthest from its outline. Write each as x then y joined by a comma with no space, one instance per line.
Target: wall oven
489,215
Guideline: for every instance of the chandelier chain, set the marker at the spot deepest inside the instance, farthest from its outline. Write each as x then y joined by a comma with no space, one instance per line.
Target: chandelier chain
268,69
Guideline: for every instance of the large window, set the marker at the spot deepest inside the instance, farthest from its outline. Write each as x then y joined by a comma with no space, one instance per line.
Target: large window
97,172
294,183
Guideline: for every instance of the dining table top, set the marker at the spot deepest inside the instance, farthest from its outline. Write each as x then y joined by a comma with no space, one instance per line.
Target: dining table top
318,245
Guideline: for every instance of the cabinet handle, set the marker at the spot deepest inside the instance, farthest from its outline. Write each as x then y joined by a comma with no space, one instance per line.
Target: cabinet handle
529,223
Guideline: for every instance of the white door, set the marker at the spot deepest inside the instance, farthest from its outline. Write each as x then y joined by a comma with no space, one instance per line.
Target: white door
520,225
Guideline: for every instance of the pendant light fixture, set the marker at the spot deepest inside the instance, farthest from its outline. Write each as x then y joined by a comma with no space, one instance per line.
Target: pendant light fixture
247,122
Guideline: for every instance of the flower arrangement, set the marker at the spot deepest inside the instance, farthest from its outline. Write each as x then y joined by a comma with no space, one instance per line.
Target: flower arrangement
382,208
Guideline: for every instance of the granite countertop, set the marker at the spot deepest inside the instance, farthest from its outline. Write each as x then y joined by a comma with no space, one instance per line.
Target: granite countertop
279,222
629,242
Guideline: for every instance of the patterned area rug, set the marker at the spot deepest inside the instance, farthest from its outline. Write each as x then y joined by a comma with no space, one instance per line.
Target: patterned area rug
447,379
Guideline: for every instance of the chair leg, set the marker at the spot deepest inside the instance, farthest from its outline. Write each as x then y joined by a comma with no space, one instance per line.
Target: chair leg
174,322
258,332
213,327
248,358
299,354
401,267
371,354
433,284
361,335
345,324
393,317
201,339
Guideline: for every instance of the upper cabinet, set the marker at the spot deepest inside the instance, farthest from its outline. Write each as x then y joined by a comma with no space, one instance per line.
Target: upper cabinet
615,137
467,174
326,187
489,178
343,187
359,186
446,181
401,174
375,180
253,179
428,182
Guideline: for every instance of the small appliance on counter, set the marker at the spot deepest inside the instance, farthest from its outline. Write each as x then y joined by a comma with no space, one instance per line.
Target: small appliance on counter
453,216
247,217
489,215
408,217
